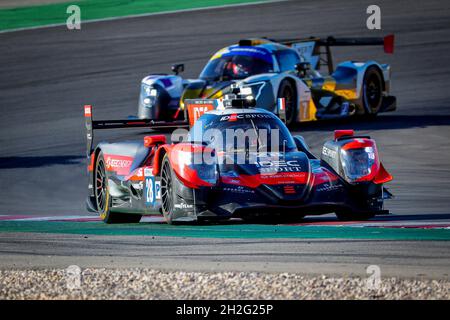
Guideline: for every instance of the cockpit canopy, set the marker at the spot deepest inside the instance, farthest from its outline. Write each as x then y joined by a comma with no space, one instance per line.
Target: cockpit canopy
253,131
238,62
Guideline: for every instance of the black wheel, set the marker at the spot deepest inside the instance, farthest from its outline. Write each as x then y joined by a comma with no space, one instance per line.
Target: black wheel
287,91
167,189
352,216
372,91
103,198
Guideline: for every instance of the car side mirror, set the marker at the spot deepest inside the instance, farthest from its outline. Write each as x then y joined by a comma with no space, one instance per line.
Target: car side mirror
177,68
302,68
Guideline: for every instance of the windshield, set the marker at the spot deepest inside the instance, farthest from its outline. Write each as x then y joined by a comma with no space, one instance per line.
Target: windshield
242,132
238,63
287,60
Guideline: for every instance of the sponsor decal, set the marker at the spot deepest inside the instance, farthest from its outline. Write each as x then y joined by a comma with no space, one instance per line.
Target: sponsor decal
195,111
150,195
152,191
158,190
120,164
183,206
278,166
284,175
326,187
235,181
238,189
256,52
329,152
235,117
148,172
138,186
306,51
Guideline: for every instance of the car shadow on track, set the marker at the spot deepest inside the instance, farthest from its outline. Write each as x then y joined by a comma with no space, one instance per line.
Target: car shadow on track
320,220
36,161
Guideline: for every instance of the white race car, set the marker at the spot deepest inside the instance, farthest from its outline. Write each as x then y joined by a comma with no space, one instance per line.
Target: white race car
289,69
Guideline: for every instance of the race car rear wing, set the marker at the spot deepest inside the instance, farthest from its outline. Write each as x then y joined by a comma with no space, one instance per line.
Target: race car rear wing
92,125
194,109
312,46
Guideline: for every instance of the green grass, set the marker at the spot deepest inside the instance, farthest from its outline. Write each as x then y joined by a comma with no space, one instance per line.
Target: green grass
41,15
242,231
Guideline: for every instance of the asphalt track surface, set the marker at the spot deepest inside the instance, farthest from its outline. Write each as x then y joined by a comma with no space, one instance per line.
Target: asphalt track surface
48,74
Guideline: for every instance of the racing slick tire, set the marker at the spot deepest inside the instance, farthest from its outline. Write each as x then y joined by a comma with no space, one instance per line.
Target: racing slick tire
353,216
287,91
372,91
168,193
103,197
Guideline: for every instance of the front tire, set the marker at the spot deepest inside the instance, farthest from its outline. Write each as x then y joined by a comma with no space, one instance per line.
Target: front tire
372,91
167,189
103,197
287,91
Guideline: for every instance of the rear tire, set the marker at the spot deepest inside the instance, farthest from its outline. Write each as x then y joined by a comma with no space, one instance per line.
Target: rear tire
287,91
372,91
103,198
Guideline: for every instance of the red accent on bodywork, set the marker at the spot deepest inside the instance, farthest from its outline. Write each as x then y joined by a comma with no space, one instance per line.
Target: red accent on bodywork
324,176
342,133
289,189
157,161
91,162
254,181
188,176
176,114
360,143
382,176
136,122
150,141
120,164
389,44
195,111
137,175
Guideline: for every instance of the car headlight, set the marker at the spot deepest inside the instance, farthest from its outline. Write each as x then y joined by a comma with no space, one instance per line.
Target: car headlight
359,163
149,91
148,95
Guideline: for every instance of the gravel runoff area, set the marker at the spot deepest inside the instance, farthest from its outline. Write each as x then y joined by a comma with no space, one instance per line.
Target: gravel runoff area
75,283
